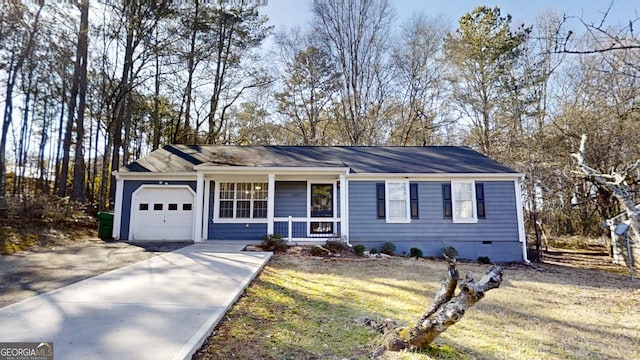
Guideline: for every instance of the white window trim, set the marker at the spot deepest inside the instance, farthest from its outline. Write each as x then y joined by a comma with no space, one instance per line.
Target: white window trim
234,219
407,218
472,220
332,219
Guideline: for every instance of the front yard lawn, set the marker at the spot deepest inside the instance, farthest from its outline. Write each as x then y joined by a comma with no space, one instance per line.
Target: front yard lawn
308,308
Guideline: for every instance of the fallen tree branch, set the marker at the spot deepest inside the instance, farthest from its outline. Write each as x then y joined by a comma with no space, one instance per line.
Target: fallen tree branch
445,310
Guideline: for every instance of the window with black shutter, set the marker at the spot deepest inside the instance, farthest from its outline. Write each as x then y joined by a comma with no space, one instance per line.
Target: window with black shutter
446,201
480,200
413,196
380,200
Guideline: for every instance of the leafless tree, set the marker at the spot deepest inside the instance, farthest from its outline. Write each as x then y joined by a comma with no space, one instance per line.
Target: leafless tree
310,84
19,30
419,82
356,34
617,182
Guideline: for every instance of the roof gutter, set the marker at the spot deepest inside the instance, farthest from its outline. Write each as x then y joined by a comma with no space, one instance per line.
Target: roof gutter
438,176
269,169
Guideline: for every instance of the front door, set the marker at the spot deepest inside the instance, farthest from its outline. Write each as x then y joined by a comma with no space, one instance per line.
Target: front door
321,207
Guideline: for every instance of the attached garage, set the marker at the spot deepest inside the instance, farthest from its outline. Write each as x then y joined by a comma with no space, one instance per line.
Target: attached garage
162,213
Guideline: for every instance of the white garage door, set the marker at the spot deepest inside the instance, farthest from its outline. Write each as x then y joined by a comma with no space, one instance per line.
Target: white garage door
162,213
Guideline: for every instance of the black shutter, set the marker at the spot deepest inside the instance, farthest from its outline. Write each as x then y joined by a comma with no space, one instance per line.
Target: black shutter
446,201
413,195
480,200
380,200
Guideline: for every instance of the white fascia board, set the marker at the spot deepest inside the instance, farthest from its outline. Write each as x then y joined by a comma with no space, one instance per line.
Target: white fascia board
155,176
310,170
436,177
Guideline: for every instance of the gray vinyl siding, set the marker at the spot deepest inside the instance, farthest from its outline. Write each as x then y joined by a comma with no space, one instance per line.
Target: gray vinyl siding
290,199
128,188
249,231
495,236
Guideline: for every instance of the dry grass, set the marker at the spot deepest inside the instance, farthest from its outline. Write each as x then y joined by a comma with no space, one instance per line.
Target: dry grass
303,308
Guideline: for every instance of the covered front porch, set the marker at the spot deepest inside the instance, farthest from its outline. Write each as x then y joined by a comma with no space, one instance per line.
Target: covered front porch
302,205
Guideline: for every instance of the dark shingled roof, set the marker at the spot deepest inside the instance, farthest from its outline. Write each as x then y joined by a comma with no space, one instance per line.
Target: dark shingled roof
360,159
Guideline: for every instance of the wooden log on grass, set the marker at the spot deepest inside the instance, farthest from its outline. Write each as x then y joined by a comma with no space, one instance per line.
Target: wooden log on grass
445,310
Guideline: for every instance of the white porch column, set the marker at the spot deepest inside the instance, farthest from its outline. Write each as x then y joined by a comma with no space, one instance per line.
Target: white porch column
205,210
117,211
344,207
197,231
271,196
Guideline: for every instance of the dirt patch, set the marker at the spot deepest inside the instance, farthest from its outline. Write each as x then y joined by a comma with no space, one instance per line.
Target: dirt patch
63,262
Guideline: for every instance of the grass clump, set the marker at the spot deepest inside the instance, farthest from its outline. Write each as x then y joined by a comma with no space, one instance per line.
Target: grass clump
12,241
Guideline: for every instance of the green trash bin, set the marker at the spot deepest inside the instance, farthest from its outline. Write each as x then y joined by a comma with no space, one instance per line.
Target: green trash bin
105,225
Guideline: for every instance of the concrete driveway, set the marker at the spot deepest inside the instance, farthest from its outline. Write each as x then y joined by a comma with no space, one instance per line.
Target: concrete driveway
160,308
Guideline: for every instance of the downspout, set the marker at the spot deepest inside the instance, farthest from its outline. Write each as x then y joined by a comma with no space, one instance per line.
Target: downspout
117,209
520,216
524,253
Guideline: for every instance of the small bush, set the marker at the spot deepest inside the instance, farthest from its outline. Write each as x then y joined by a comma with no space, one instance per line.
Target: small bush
373,251
359,249
484,260
388,248
450,252
415,252
275,243
335,246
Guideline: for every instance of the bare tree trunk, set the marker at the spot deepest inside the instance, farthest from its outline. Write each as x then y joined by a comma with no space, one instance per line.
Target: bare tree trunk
23,143
617,183
446,310
226,33
155,114
12,69
187,98
122,102
80,77
44,139
105,183
57,168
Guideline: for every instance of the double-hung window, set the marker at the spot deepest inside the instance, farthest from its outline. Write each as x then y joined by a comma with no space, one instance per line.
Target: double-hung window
397,204
243,200
463,201
397,201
